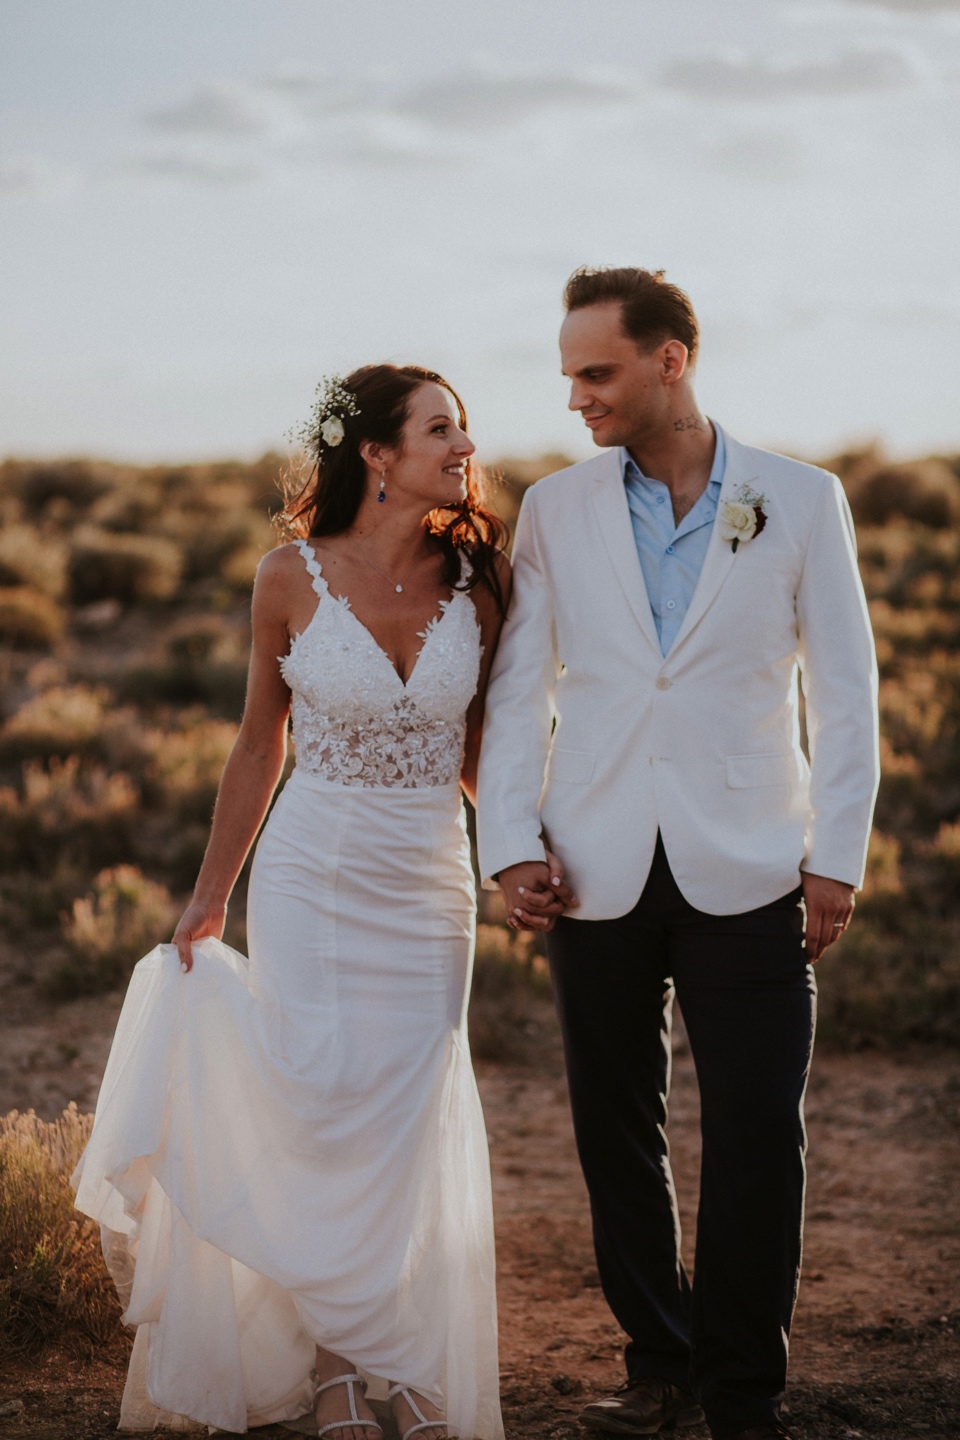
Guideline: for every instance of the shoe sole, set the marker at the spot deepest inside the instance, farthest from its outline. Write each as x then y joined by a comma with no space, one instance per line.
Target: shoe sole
685,1420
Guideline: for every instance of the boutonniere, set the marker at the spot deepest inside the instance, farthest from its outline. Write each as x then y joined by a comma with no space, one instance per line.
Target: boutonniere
743,517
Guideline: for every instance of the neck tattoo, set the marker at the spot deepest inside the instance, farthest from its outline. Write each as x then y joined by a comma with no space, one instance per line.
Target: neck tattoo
689,422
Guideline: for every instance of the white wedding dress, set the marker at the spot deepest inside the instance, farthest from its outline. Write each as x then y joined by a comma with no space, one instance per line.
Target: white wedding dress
289,1150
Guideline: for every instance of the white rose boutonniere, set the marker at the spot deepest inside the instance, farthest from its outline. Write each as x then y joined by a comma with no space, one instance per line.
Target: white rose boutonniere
743,517
332,431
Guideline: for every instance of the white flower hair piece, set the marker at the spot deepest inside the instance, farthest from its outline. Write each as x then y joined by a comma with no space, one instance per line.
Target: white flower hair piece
324,426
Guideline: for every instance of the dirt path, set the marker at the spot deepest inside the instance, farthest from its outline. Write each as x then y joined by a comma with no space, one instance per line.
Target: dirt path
876,1348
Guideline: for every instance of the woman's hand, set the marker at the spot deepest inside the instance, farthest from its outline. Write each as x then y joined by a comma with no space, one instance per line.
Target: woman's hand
197,922
536,893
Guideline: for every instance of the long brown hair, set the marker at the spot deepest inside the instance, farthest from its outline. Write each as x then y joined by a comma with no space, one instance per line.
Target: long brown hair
323,495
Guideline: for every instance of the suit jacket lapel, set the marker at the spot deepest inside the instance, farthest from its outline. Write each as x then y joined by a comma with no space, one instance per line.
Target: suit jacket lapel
609,499
720,558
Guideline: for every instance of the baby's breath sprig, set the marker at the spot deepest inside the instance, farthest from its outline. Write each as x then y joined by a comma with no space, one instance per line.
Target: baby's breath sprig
324,426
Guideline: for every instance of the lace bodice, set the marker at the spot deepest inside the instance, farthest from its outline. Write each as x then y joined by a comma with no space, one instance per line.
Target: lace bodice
355,722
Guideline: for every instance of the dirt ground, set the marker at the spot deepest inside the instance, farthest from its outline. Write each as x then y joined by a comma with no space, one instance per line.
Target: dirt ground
876,1345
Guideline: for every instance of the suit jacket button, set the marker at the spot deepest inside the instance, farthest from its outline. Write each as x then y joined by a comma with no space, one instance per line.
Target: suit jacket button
663,683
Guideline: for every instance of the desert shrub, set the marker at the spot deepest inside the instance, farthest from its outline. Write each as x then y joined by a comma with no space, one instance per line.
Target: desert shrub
54,1286
215,543
186,765
240,570
34,900
63,720
29,558
108,930
134,503
29,620
127,568
76,482
511,1013
65,810
894,978
925,491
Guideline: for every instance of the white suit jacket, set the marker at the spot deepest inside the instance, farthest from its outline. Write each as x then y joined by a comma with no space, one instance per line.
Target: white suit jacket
594,740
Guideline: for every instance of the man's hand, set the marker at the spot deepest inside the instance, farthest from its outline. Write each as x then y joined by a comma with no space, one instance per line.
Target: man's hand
829,905
535,893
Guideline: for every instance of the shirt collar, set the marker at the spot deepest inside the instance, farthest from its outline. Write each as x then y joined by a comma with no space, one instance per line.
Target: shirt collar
629,469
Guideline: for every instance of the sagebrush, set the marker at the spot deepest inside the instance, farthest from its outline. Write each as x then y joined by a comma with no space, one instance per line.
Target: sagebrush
54,1286
124,600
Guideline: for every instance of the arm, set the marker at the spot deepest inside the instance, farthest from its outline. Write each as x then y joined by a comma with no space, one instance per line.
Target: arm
490,619
839,676
251,773
518,726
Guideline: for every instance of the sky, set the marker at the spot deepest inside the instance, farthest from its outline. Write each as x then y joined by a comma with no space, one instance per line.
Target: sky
206,205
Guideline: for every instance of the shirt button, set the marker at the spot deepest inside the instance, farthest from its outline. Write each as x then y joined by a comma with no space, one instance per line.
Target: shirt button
663,683
671,604
671,549
660,499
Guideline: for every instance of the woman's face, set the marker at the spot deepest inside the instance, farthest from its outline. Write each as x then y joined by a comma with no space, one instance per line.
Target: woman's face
431,461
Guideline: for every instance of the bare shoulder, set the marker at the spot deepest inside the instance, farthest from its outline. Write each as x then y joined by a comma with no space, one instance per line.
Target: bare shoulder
280,563
280,575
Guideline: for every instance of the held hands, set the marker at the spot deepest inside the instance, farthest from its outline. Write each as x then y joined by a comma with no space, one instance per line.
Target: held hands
535,893
829,905
197,922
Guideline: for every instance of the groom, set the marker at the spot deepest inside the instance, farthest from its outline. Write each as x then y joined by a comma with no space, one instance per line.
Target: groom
643,726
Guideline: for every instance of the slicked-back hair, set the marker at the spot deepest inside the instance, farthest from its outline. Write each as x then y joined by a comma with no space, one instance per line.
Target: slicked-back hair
652,310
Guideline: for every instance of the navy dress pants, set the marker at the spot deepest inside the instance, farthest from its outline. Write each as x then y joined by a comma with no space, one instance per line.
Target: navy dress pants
748,999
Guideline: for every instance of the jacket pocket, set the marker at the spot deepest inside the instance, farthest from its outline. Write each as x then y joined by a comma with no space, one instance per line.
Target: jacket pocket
573,767
746,771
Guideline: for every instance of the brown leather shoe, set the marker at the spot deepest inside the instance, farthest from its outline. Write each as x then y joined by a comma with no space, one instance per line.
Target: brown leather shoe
643,1407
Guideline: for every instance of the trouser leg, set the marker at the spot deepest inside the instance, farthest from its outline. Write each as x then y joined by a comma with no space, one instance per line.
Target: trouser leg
748,1000
613,1000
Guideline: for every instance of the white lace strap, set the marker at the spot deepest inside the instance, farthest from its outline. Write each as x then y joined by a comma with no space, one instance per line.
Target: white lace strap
313,566
466,569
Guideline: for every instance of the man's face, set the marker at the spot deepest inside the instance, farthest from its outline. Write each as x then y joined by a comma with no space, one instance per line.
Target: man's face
622,392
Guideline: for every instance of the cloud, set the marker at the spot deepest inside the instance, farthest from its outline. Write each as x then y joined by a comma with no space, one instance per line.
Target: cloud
223,110
739,78
481,100
200,169
758,155
909,7
32,175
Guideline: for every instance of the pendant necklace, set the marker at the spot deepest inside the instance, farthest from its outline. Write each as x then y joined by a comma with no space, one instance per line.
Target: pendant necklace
389,578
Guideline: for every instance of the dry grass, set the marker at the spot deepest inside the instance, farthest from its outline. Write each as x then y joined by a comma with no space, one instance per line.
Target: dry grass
107,930
511,1013
126,594
29,619
54,1286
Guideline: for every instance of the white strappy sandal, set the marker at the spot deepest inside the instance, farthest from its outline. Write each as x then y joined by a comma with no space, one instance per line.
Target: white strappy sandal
424,1424
354,1419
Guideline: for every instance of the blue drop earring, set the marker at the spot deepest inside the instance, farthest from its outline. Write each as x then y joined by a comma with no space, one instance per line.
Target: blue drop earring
381,493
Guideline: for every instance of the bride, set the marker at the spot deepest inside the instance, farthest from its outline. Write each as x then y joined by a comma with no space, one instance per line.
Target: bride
289,1161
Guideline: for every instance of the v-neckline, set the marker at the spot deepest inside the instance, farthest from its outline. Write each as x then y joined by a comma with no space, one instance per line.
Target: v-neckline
321,586
431,627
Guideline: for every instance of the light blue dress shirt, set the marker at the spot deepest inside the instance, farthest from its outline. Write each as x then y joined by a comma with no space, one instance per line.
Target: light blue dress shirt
671,556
